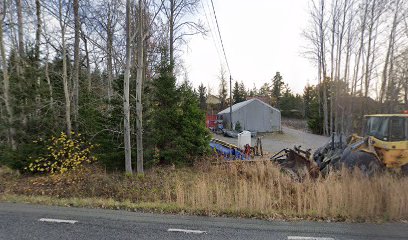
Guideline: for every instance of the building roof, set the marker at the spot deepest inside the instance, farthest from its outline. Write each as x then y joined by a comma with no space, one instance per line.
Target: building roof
211,99
237,106
264,99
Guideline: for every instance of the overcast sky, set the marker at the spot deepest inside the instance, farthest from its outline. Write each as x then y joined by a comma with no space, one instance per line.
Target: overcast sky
260,38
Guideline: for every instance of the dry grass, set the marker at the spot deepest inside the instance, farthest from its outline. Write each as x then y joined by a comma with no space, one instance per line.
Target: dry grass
261,188
252,190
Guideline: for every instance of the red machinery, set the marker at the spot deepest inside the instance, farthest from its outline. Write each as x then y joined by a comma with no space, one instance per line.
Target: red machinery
211,121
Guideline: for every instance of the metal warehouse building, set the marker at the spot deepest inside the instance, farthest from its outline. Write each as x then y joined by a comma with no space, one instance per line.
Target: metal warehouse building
253,115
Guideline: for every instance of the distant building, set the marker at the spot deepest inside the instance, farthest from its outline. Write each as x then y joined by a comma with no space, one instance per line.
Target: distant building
253,115
213,100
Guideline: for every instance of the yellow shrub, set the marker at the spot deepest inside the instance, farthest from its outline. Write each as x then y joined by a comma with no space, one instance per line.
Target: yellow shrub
62,154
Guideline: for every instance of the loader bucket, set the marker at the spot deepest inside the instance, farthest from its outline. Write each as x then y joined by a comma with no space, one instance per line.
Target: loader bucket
296,162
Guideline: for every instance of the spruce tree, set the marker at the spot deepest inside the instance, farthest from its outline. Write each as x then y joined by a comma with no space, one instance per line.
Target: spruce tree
236,94
277,84
194,136
164,123
242,91
177,132
203,97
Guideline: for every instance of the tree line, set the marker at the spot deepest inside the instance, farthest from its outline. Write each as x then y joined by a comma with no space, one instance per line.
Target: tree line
106,69
277,93
360,50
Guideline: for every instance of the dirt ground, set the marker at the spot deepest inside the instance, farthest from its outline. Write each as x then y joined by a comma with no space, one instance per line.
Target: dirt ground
274,142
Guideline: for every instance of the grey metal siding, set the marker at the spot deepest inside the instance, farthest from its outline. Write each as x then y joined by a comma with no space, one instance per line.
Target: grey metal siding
256,116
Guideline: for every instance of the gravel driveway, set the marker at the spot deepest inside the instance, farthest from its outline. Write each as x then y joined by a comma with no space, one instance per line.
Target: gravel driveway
274,142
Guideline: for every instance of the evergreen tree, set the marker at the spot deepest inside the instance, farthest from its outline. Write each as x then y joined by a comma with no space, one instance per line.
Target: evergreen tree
313,108
177,126
237,94
277,84
265,90
291,105
253,92
203,96
164,123
242,91
307,100
193,138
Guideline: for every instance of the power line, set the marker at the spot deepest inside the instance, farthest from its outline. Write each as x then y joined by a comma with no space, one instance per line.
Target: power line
219,33
226,61
211,31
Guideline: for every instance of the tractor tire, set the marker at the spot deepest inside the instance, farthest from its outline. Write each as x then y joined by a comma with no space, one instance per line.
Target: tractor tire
404,170
368,163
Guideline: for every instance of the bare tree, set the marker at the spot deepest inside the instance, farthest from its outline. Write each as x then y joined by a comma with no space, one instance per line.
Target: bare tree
177,12
126,103
88,61
75,90
222,93
63,27
139,82
6,81
20,28
388,64
46,65
334,28
103,20
38,31
318,40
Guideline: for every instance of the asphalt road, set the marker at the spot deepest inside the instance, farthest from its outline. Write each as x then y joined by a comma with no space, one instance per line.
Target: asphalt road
24,221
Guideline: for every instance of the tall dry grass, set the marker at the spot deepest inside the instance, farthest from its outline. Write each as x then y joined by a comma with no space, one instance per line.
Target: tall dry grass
258,189
262,189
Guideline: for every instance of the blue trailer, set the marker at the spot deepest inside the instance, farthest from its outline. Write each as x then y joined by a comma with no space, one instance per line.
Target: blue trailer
227,150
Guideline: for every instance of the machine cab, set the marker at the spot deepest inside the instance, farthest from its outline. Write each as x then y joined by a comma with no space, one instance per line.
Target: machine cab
387,127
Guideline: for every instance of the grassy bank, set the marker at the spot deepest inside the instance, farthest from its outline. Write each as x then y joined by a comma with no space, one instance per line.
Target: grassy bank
247,190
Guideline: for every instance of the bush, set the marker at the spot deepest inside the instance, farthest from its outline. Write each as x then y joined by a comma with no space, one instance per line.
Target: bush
61,154
238,127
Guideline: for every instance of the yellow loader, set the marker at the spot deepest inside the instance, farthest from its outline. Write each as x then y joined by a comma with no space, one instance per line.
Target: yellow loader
383,146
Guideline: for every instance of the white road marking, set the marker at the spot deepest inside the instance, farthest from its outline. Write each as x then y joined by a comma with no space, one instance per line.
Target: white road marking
57,220
185,231
308,238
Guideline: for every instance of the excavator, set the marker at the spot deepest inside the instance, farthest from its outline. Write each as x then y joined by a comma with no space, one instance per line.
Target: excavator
383,146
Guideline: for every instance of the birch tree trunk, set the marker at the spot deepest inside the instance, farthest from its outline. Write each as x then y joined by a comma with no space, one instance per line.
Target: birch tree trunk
367,73
6,86
388,59
75,96
88,63
20,29
47,69
109,60
37,52
126,103
20,62
332,64
339,50
321,24
139,84
360,51
64,71
38,31
171,32
47,77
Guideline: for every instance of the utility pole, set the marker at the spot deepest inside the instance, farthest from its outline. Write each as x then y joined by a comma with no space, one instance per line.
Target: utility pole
232,128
